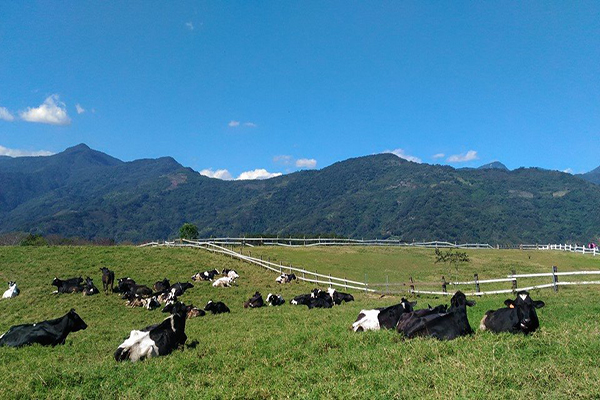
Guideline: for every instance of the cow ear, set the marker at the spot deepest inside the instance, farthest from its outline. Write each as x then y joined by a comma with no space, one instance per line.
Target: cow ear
471,303
509,303
538,304
72,310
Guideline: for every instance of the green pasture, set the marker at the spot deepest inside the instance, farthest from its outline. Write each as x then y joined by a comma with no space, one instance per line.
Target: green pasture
290,351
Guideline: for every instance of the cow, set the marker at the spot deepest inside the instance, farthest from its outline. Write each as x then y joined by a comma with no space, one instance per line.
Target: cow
440,325
338,297
190,310
231,274
224,282
275,299
108,279
518,317
12,291
123,285
303,299
150,303
384,317
161,286
205,276
216,307
167,297
155,340
255,301
45,333
179,288
138,290
90,289
285,278
71,285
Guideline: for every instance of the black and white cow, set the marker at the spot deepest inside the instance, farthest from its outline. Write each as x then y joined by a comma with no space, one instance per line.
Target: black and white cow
339,297
382,318
285,278
150,303
440,325
71,285
179,288
12,291
156,340
205,276
46,333
161,286
519,316
108,279
275,299
301,299
138,290
217,307
190,310
89,288
255,301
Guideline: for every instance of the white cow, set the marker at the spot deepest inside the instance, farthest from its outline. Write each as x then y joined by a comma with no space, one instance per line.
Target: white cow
12,291
224,282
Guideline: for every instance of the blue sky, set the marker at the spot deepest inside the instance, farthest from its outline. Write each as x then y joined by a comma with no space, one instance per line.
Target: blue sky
282,86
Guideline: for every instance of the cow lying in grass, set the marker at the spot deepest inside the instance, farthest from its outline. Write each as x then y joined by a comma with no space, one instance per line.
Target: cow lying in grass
440,325
71,285
275,300
161,286
519,316
89,288
155,340
224,282
150,303
190,310
384,317
255,301
285,278
205,276
12,291
46,333
217,307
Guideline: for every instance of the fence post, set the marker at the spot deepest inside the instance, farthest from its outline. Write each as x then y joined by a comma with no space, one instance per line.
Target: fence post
555,278
476,276
444,289
387,284
366,283
290,268
514,282
329,280
412,285
345,283
280,267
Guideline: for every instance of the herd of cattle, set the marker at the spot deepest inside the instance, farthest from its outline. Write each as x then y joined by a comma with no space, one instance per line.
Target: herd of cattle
441,322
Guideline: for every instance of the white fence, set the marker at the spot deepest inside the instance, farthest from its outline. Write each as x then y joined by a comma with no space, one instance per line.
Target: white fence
387,287
562,247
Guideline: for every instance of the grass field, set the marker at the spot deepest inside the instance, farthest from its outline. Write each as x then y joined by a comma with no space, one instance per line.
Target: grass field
288,351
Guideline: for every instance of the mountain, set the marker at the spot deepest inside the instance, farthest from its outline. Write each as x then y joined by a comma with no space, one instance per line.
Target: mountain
592,176
85,193
494,165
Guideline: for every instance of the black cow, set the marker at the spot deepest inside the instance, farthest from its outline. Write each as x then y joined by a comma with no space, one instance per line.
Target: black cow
46,333
90,289
440,325
205,276
190,310
518,317
155,340
216,307
255,301
275,299
179,288
108,279
123,285
320,302
384,317
161,286
303,299
71,285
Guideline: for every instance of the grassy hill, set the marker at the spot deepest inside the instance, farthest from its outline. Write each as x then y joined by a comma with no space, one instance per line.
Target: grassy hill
286,352
85,193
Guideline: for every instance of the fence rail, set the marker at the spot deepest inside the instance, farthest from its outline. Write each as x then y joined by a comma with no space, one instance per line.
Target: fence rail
410,287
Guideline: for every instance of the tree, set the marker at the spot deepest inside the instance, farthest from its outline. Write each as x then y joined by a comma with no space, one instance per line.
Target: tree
188,231
454,258
34,240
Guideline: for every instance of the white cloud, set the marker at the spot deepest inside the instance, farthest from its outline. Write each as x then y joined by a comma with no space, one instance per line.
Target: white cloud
4,151
306,163
283,159
257,174
6,115
464,157
80,110
568,171
233,124
218,174
190,26
250,124
402,154
438,155
52,111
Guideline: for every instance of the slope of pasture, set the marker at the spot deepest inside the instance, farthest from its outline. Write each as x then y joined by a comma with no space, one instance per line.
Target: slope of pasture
401,263
283,352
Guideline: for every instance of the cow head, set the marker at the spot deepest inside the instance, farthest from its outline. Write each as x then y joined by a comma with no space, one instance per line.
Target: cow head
408,305
88,281
459,300
77,323
209,306
56,282
525,308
